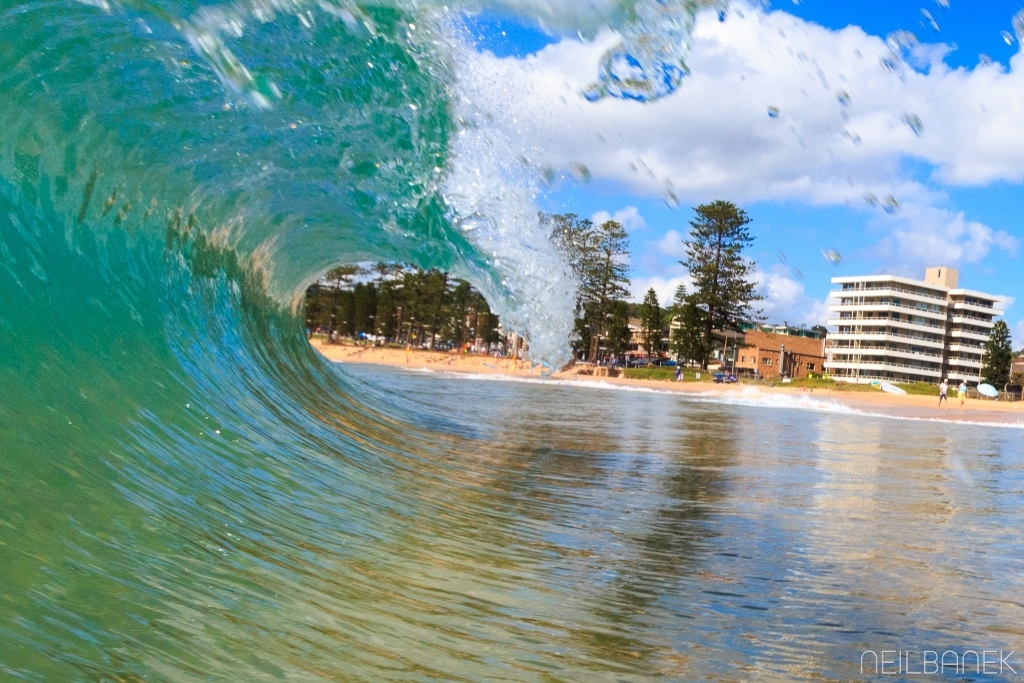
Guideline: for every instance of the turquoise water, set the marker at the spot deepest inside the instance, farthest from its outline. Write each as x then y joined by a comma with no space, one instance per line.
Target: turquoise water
189,493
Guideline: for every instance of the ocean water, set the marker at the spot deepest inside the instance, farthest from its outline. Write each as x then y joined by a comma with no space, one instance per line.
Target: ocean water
189,493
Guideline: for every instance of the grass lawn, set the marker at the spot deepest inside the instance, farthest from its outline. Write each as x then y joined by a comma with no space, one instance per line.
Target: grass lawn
665,374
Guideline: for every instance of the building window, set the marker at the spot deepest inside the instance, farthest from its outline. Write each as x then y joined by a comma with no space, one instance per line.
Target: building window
743,359
766,361
810,367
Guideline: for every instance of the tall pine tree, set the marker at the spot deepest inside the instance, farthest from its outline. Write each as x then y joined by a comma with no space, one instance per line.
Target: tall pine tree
720,273
651,323
688,334
998,356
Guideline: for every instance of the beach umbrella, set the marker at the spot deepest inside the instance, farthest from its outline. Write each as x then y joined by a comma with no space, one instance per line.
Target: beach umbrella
988,390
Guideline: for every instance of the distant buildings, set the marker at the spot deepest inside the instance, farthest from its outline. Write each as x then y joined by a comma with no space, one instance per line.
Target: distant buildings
768,355
902,330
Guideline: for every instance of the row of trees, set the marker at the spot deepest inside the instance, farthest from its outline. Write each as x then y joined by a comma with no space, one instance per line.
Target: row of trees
400,303
723,293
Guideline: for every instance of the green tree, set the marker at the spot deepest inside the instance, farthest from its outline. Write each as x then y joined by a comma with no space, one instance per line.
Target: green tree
596,256
998,356
364,309
652,321
619,334
693,345
605,279
720,273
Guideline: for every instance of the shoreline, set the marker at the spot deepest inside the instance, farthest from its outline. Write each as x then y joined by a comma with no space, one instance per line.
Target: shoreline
975,411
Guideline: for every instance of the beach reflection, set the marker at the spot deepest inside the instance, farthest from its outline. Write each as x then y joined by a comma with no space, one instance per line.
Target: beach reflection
664,536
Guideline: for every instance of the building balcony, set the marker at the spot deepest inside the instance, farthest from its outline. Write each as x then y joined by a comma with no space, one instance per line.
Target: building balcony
885,337
975,307
890,290
972,320
967,334
889,322
890,307
969,348
900,353
964,374
882,366
964,363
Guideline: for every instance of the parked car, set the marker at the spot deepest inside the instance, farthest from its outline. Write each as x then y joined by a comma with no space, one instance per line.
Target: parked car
724,378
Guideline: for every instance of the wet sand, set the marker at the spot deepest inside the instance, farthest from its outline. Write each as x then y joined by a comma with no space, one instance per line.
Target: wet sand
880,403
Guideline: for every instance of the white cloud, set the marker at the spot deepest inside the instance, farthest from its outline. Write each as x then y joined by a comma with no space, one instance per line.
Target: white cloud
672,245
841,134
664,287
784,298
628,217
785,301
935,236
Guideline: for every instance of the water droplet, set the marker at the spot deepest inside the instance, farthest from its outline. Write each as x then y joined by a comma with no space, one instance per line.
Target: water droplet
832,256
773,112
1018,25
670,198
722,14
782,258
930,19
890,205
799,275
580,172
915,123
984,59
1007,37
843,97
870,198
942,3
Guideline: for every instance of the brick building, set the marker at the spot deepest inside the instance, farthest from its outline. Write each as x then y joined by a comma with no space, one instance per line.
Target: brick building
762,354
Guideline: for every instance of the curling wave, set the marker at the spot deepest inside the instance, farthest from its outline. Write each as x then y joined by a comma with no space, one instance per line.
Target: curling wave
187,492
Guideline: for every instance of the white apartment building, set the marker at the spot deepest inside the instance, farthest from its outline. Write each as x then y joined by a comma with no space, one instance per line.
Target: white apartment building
901,330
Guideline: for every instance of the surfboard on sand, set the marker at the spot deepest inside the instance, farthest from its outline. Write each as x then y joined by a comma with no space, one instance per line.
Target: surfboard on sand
988,390
891,389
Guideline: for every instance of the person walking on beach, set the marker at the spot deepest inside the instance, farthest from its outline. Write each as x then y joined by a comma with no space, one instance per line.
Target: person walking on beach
961,393
943,391
679,371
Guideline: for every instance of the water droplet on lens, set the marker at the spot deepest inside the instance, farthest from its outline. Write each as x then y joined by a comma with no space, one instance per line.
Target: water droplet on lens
832,256
890,205
843,97
722,14
799,275
984,59
773,112
930,19
915,123
1007,37
782,258
870,198
580,172
670,199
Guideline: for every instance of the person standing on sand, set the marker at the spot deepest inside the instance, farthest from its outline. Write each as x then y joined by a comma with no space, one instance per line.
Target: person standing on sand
943,391
679,371
961,393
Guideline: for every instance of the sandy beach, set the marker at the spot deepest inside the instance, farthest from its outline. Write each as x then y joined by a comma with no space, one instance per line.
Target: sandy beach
921,407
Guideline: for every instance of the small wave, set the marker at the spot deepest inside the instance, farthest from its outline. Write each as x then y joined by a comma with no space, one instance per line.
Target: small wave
746,396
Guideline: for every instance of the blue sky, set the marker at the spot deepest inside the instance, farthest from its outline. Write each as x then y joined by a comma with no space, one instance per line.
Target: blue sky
805,176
